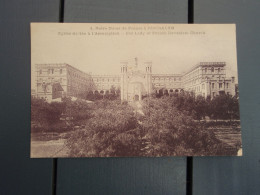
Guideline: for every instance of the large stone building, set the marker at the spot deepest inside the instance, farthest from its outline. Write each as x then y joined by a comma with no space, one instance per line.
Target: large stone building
56,80
205,79
208,79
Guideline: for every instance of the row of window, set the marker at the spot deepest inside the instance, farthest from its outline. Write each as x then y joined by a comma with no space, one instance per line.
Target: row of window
192,74
197,88
193,82
212,70
195,74
166,79
50,71
106,80
165,85
220,85
49,80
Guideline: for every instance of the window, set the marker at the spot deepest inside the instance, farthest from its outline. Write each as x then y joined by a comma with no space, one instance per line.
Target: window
220,85
49,71
227,85
60,71
213,85
205,70
212,69
41,71
218,70
52,71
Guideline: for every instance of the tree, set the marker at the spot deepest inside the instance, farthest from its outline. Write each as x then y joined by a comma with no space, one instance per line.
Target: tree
113,130
200,107
46,115
166,128
225,107
170,131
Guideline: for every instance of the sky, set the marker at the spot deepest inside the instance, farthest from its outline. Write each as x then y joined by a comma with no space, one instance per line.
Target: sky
98,48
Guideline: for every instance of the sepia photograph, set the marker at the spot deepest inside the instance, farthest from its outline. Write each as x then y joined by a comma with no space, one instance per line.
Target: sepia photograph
132,90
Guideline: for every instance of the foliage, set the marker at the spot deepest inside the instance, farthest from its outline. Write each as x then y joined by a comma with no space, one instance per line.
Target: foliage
112,131
78,110
169,126
225,107
169,131
45,115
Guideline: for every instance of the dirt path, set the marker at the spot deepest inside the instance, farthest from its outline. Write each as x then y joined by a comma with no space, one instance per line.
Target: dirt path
137,106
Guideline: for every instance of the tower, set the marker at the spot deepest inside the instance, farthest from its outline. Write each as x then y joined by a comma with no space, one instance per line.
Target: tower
148,77
123,81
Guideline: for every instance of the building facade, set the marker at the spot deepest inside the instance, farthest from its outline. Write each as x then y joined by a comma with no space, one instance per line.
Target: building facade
135,83
206,79
105,83
57,80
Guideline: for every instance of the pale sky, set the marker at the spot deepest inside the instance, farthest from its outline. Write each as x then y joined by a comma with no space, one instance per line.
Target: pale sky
165,45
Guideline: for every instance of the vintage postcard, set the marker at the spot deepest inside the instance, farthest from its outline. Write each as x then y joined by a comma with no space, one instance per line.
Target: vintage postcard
117,90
